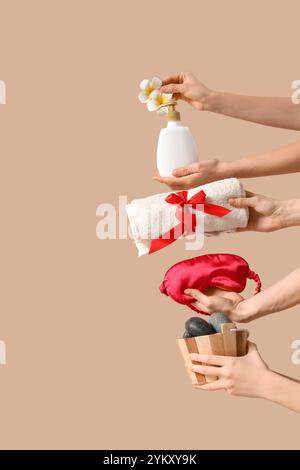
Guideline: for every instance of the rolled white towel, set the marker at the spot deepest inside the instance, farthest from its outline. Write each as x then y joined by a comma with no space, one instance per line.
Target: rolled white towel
152,216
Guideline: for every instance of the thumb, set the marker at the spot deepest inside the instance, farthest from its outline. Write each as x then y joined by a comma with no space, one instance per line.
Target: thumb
196,294
252,348
241,202
172,88
186,170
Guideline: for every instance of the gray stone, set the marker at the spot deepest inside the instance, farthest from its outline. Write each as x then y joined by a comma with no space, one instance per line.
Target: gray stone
216,320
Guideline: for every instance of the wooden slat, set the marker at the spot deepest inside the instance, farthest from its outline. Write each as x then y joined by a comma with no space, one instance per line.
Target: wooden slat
242,342
204,347
229,338
188,346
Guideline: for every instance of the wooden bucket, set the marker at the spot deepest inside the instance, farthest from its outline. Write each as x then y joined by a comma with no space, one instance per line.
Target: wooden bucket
230,342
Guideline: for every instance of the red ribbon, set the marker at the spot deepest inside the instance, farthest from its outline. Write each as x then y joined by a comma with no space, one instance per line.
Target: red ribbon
187,224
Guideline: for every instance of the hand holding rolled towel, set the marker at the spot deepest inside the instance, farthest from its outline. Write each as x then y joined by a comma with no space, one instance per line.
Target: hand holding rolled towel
152,217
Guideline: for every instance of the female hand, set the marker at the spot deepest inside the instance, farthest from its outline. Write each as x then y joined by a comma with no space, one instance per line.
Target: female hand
265,214
227,302
247,376
185,86
194,175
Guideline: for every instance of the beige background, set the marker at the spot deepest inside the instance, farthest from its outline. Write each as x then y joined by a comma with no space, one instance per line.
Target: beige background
91,350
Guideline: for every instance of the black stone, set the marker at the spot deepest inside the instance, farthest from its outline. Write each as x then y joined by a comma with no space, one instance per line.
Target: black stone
186,334
196,326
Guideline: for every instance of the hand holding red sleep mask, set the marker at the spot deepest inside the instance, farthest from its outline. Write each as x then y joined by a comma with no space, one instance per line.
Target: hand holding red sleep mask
225,271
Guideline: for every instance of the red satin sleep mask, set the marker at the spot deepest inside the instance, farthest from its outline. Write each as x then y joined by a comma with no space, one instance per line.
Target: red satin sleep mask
226,271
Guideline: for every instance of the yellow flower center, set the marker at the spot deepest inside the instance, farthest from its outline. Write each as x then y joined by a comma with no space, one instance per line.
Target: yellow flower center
149,89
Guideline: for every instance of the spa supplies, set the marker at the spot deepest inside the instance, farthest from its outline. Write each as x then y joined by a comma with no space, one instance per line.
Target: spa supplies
217,319
231,341
197,326
156,217
176,146
224,271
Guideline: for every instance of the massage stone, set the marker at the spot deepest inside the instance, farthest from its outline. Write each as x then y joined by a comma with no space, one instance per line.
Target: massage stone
217,319
196,326
186,334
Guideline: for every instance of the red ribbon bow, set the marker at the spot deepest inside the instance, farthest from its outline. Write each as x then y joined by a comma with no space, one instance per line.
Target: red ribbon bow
187,220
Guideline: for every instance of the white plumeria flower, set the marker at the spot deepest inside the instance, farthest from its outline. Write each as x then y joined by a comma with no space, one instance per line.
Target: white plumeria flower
147,87
157,99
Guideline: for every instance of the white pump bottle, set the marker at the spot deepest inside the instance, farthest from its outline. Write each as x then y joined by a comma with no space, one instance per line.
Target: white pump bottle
176,146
